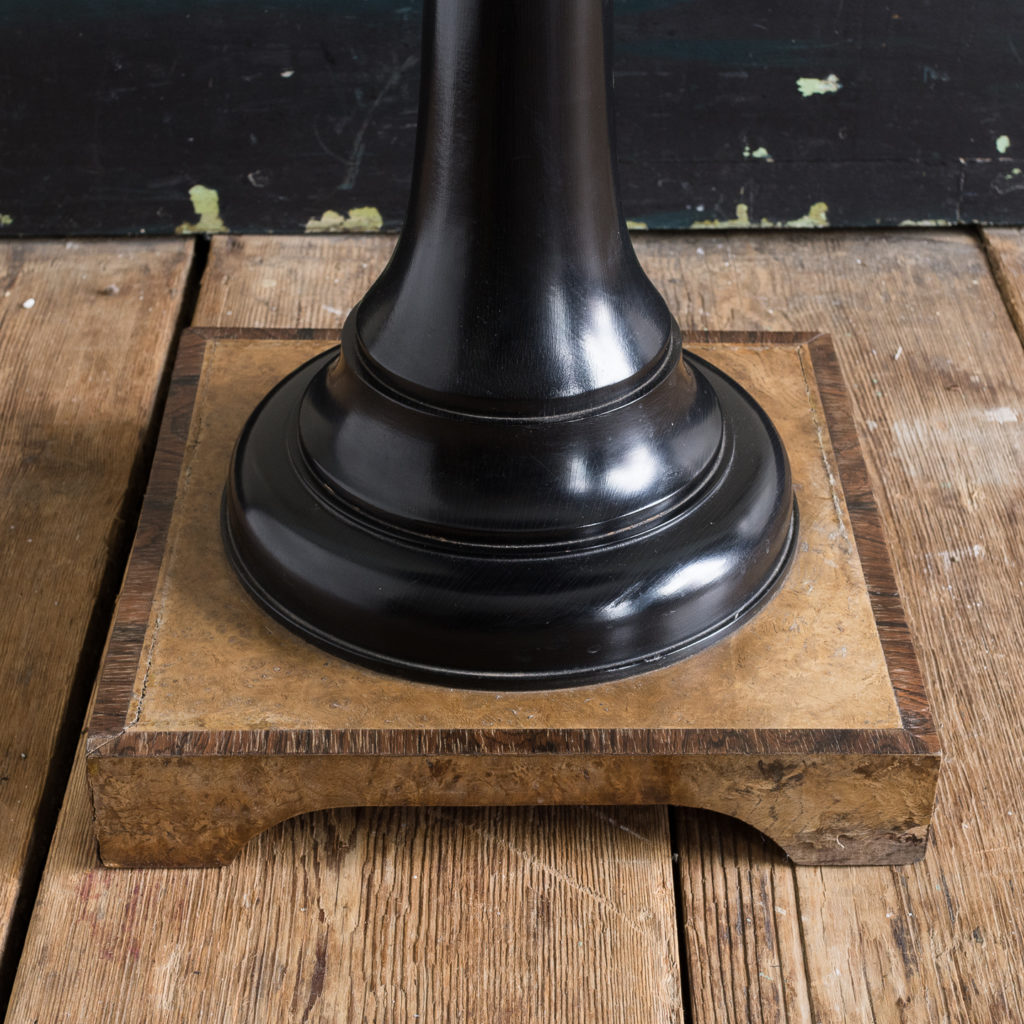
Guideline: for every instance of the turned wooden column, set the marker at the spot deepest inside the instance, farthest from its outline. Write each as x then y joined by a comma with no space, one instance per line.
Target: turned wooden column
510,475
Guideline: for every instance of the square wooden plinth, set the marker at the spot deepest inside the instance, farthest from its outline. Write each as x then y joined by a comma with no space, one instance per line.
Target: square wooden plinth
212,722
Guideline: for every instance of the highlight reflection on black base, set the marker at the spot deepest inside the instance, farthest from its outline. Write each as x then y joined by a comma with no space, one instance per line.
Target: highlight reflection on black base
510,475
502,613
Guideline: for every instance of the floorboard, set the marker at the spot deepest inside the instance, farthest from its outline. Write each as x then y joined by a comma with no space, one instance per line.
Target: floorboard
937,374
1005,247
85,330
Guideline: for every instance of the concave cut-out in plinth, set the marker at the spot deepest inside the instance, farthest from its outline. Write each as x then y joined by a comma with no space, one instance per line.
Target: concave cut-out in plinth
511,476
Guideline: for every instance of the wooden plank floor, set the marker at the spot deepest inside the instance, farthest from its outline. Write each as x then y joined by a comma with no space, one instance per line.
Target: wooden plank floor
361,915
571,914
85,331
937,375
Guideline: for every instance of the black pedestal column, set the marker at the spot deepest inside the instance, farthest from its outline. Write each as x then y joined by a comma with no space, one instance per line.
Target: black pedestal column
510,476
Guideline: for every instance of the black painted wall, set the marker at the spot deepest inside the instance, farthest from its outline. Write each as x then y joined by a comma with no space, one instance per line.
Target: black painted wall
150,116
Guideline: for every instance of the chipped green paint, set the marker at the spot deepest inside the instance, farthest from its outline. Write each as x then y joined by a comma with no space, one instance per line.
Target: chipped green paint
5,220
361,218
1003,143
758,154
815,217
742,220
925,223
206,204
636,225
818,86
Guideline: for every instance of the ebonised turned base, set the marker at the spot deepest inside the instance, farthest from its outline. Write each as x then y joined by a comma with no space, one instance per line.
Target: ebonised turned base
509,476
530,601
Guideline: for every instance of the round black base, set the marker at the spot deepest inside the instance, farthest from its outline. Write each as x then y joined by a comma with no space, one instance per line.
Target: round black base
542,614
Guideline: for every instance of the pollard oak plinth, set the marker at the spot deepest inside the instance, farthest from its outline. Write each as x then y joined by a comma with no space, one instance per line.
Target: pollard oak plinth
213,721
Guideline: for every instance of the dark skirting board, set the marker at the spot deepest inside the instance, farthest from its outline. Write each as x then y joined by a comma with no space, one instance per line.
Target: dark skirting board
846,112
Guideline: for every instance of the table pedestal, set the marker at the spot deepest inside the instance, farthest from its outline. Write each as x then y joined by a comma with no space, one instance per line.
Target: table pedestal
509,475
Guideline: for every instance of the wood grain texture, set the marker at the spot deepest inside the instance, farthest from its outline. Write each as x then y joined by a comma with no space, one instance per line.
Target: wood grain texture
532,914
740,921
214,723
209,628
85,331
937,374
932,359
1005,248
529,915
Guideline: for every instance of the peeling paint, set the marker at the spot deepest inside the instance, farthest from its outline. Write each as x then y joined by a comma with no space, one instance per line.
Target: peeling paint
816,217
938,223
5,220
818,86
636,225
1003,143
1012,181
206,204
758,154
742,220
360,218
